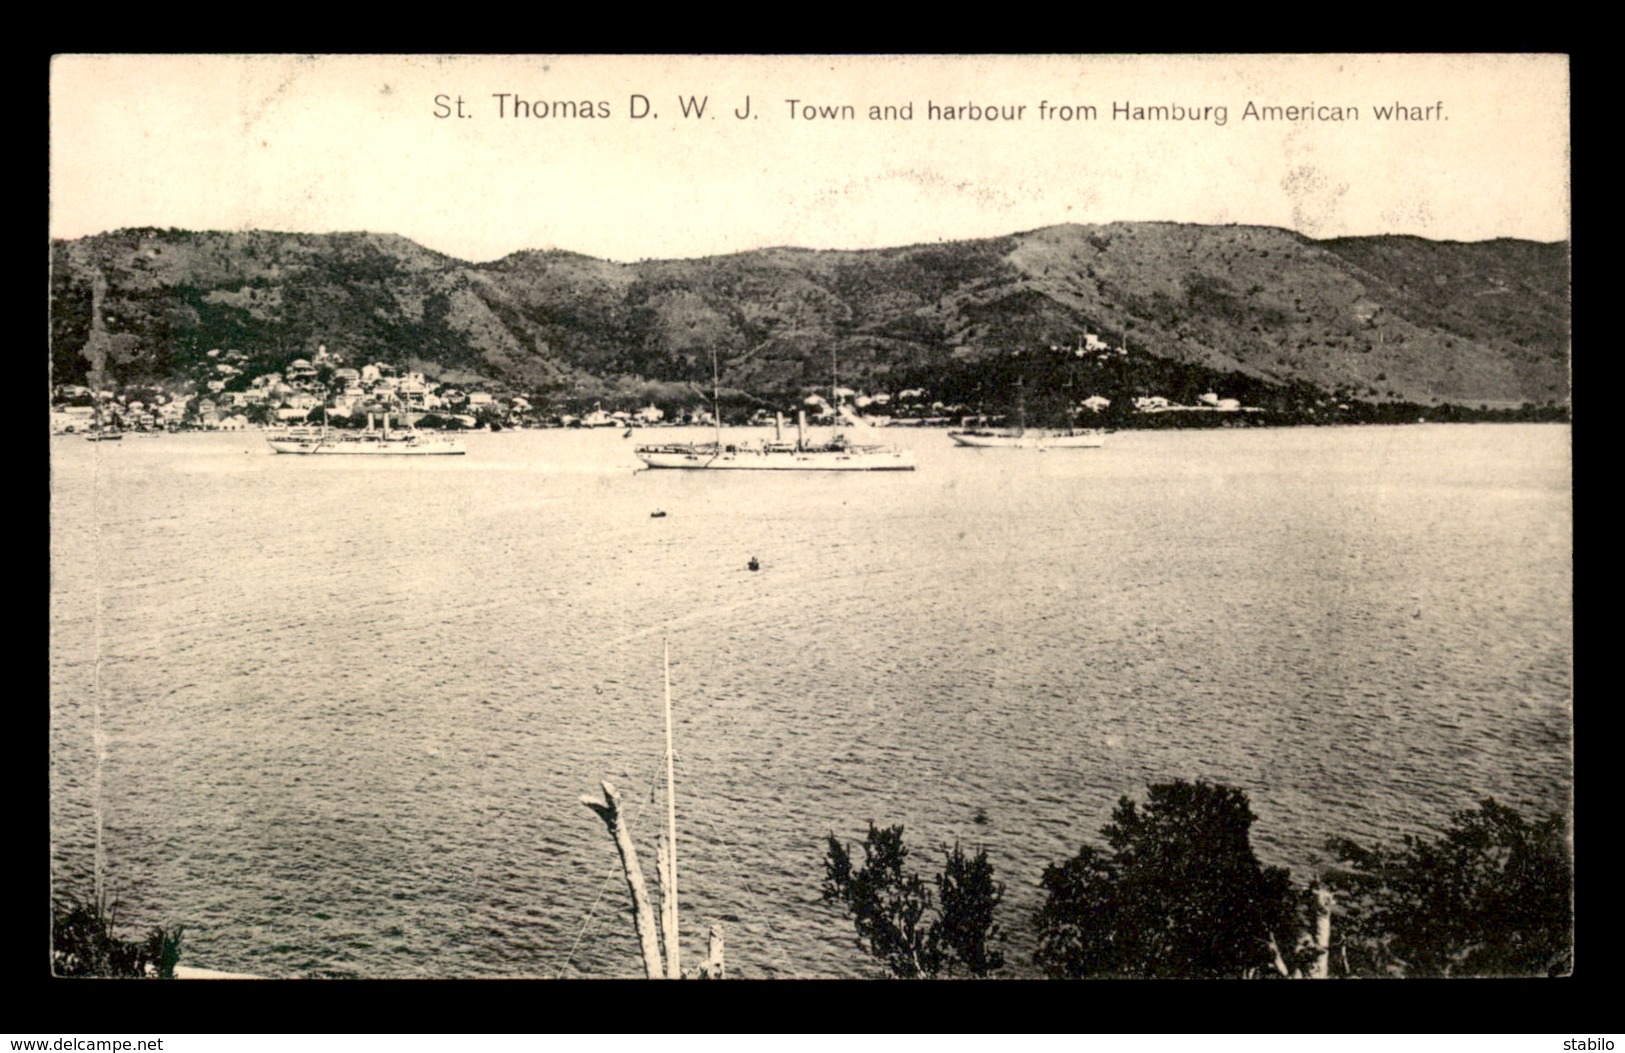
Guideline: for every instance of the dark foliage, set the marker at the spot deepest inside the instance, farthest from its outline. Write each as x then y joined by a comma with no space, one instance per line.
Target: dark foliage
965,933
1491,897
83,945
1179,893
887,901
889,904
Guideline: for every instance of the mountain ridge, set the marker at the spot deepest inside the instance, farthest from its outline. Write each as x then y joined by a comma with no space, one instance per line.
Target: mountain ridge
1258,309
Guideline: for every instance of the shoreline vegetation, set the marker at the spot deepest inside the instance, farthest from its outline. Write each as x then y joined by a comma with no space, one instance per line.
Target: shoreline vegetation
84,943
1178,893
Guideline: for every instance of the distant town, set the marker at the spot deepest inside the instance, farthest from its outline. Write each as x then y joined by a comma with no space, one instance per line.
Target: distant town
224,394
324,389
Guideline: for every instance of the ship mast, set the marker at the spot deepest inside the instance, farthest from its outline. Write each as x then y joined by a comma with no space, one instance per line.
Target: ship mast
669,893
839,421
716,409
650,932
835,389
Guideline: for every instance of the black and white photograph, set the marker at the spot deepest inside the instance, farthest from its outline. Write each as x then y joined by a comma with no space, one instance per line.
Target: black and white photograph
792,517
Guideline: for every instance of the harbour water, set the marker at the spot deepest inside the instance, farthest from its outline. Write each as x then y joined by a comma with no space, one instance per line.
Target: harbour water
336,715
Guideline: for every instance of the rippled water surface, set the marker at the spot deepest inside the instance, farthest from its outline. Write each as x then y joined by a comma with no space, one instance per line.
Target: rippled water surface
346,709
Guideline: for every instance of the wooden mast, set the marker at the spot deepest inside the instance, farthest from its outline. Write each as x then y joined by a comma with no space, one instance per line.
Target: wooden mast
1021,404
669,892
716,414
835,394
649,930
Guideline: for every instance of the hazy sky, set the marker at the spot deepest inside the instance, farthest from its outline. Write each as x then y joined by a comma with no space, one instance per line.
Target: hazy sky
343,143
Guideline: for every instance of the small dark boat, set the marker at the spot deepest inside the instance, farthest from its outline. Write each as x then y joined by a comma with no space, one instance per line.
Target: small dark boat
657,515
754,564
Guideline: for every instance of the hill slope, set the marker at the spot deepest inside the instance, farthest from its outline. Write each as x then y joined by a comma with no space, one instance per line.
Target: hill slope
1253,309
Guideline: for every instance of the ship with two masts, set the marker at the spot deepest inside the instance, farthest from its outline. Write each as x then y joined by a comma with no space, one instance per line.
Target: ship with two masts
408,442
839,453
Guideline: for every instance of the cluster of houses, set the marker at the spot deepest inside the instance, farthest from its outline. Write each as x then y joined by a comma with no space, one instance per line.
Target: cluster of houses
1208,403
221,399
347,390
647,417
225,399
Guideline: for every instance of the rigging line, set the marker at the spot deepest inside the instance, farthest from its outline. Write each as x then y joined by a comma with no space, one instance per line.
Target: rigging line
604,885
767,919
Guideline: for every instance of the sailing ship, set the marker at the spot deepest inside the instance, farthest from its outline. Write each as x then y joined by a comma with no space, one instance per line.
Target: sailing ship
100,431
837,454
1031,438
1023,437
371,441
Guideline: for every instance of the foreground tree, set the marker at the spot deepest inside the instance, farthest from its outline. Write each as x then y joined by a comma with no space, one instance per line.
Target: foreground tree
83,944
1491,897
965,932
890,904
1179,893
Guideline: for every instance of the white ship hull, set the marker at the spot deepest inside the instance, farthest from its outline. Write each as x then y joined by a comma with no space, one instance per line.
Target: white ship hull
776,458
1030,439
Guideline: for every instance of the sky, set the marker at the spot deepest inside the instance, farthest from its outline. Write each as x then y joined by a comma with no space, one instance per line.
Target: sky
603,160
